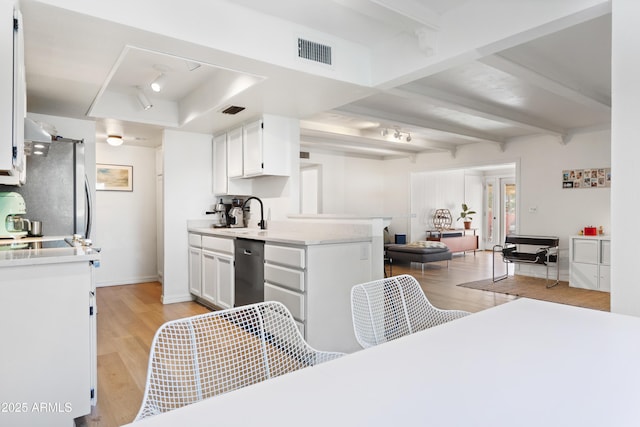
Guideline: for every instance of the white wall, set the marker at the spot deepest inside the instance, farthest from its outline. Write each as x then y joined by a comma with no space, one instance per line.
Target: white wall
349,184
625,197
126,221
188,193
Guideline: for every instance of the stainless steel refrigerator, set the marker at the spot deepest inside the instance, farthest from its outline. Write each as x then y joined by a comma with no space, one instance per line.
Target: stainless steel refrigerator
56,190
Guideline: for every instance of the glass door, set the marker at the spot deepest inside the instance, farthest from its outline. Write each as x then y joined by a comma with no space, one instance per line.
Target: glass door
509,219
500,210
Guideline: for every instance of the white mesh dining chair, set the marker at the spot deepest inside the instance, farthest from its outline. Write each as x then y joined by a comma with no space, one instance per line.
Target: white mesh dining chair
390,308
209,354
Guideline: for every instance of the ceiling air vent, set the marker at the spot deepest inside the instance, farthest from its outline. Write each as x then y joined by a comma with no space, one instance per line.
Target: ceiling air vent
304,154
314,51
232,109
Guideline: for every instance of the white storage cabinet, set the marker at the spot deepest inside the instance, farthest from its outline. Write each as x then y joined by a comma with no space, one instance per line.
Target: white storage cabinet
590,262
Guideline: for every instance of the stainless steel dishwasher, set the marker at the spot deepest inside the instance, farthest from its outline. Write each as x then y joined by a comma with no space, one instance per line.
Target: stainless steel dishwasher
249,271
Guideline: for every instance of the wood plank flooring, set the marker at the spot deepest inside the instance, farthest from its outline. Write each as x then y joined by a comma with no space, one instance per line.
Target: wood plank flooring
129,315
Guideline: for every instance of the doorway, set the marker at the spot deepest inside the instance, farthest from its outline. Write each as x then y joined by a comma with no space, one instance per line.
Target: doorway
311,189
500,207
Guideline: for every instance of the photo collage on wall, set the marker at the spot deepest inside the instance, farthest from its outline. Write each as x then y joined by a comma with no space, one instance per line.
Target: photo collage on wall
586,178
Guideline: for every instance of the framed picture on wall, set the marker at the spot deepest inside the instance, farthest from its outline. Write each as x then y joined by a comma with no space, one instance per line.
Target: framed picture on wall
114,177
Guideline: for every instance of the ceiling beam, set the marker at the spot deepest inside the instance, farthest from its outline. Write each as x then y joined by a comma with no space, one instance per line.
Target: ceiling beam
362,141
409,123
475,108
582,96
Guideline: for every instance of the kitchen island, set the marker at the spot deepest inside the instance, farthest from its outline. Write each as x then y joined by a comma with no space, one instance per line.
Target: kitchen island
310,268
48,327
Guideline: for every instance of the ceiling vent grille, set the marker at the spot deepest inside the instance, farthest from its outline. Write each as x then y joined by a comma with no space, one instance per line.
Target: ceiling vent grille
314,51
232,109
304,154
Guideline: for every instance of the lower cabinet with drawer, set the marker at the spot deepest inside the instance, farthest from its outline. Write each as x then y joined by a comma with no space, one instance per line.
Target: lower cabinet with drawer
284,279
314,282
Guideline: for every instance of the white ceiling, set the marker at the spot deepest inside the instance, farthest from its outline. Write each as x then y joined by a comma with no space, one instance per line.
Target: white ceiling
558,84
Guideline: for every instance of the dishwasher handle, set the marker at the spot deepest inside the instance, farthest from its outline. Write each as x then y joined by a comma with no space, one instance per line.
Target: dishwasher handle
247,252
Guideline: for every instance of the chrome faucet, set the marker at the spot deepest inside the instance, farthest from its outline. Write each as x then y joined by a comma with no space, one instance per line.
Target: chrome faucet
261,224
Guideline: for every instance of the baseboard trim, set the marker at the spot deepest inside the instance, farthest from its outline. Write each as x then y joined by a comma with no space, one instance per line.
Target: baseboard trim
131,281
171,299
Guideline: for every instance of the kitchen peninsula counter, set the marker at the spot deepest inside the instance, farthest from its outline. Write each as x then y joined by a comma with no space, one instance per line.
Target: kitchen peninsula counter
304,237
310,267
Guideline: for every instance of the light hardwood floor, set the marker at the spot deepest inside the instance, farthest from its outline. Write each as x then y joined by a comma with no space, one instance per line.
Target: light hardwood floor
129,315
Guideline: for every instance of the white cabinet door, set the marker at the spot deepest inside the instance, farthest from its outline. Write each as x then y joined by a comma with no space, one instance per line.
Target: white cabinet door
584,276
195,275
6,87
234,153
225,281
585,250
252,148
220,178
605,278
218,279
209,276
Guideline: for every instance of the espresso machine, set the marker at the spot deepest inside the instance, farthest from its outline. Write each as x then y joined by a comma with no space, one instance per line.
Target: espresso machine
220,211
235,218
12,209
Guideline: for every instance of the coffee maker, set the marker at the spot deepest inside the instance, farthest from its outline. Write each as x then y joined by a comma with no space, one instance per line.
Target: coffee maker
235,218
12,208
220,214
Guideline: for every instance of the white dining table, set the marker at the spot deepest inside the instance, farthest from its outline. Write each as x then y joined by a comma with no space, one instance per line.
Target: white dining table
523,363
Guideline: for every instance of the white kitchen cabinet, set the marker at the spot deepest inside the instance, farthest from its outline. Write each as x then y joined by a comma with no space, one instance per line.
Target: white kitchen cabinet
234,153
220,177
314,282
211,270
195,264
218,279
12,95
47,324
285,278
590,262
267,145
222,185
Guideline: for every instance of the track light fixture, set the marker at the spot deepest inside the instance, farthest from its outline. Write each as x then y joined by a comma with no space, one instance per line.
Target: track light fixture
142,99
397,134
158,83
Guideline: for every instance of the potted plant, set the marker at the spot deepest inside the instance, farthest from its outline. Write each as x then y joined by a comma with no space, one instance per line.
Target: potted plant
465,215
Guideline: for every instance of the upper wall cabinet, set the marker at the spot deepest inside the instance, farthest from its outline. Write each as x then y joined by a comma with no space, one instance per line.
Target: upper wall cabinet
234,153
261,147
12,95
267,145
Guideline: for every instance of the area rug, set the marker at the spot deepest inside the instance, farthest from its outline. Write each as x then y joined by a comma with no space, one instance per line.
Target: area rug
535,288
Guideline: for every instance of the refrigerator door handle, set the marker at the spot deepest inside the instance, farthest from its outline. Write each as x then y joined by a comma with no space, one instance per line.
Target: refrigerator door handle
89,199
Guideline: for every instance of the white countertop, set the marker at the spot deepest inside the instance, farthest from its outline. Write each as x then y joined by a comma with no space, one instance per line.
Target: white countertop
305,237
33,256
523,363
